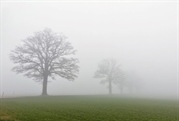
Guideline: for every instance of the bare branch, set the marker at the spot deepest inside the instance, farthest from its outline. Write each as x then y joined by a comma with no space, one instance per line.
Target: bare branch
45,54
109,70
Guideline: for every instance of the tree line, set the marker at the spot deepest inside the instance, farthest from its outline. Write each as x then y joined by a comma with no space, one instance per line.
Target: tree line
47,54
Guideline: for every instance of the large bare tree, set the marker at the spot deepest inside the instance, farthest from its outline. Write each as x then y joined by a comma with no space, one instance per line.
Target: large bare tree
45,54
109,71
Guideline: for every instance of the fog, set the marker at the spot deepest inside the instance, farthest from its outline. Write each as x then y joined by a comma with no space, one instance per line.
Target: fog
142,36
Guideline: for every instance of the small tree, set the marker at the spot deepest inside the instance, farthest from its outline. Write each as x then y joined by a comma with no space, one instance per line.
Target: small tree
121,82
46,54
110,72
133,81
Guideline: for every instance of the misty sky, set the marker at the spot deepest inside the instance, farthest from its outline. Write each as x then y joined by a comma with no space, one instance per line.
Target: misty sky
142,36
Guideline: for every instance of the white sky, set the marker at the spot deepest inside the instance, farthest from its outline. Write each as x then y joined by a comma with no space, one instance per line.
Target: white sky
141,35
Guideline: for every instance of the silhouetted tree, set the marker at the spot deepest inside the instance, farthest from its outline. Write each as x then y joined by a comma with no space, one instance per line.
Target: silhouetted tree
133,81
110,72
121,82
46,54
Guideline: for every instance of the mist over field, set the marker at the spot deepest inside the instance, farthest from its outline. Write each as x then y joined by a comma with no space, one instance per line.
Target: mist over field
141,36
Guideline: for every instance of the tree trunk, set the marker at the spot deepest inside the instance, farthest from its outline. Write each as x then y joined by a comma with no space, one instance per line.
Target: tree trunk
44,85
44,88
110,87
121,88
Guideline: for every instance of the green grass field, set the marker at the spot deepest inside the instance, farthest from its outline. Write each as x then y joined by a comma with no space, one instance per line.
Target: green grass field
87,108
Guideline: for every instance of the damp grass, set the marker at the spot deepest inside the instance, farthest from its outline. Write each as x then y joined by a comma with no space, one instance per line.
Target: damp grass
87,108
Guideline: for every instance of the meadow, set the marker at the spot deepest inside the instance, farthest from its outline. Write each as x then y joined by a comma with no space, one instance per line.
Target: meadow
87,108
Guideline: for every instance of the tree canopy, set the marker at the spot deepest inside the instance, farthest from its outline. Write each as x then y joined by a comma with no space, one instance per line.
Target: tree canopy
46,54
109,71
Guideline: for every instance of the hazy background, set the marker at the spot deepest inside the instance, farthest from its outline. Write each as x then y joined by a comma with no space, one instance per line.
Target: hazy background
142,36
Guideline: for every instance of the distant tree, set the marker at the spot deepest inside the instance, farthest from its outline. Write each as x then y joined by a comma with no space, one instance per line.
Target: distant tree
46,54
121,82
133,81
109,71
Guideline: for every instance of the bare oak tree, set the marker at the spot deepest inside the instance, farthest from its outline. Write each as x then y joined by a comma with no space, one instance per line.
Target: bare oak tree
110,72
46,54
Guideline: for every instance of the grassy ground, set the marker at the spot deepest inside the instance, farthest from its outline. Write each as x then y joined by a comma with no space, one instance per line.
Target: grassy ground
87,108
